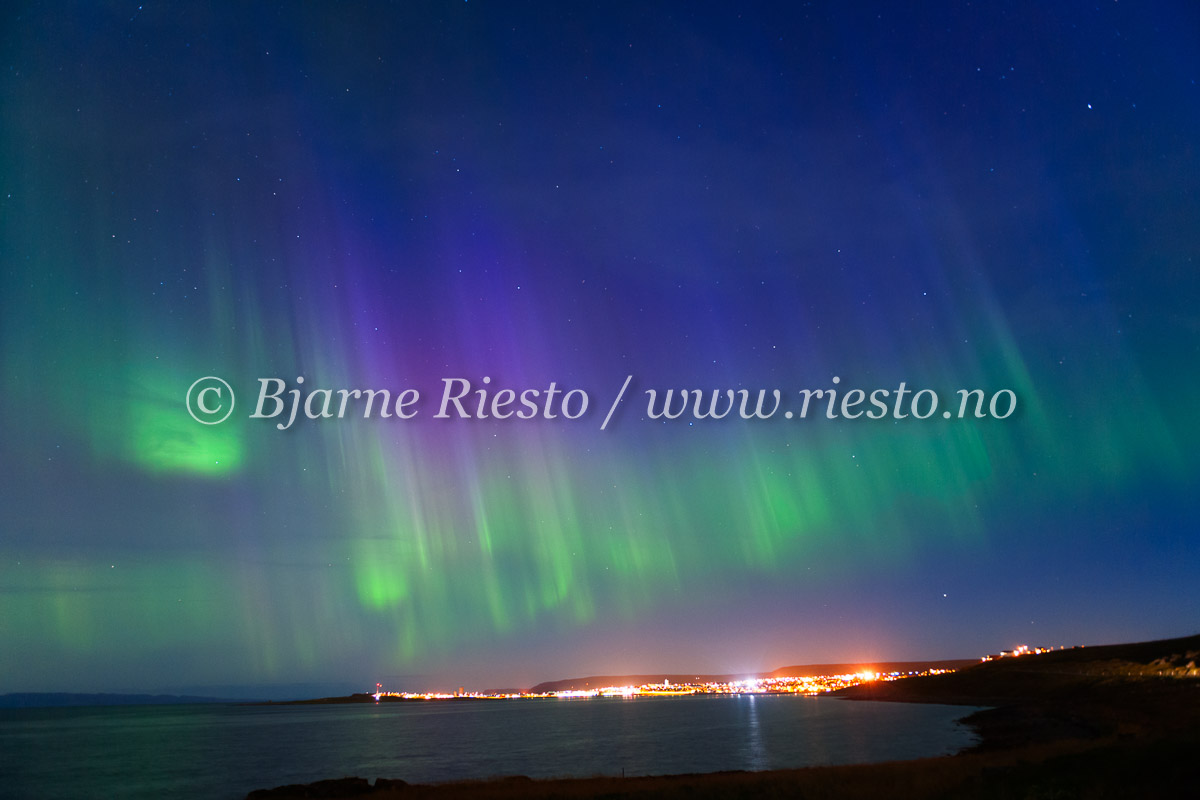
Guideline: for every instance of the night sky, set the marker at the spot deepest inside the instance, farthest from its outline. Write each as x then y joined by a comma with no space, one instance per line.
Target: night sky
702,196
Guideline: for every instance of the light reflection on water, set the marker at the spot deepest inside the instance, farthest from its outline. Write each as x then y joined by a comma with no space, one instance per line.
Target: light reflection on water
223,751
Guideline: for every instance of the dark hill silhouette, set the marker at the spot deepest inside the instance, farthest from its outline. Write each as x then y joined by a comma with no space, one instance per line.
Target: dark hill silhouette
1044,675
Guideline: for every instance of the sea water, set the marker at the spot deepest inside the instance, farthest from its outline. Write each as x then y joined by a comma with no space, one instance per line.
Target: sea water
224,751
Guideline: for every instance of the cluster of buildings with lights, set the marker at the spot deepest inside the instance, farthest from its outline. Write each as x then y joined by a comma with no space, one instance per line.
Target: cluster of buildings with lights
807,685
1022,650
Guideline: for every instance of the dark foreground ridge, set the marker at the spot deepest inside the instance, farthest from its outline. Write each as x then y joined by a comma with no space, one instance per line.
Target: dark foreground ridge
1120,721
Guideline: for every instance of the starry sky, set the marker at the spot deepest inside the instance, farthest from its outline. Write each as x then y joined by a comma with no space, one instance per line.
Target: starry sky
700,195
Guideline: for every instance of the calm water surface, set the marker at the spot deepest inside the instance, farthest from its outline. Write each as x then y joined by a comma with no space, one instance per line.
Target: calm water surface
224,751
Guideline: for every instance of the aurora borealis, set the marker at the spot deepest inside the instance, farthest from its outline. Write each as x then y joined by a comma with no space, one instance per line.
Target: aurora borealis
702,196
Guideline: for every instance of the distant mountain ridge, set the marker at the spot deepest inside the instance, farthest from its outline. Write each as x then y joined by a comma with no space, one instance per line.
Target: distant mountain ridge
798,671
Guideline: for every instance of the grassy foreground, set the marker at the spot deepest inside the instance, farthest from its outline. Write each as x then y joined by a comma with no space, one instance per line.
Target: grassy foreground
1120,721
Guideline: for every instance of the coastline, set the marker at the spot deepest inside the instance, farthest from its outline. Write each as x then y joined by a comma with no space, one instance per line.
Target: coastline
1116,721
